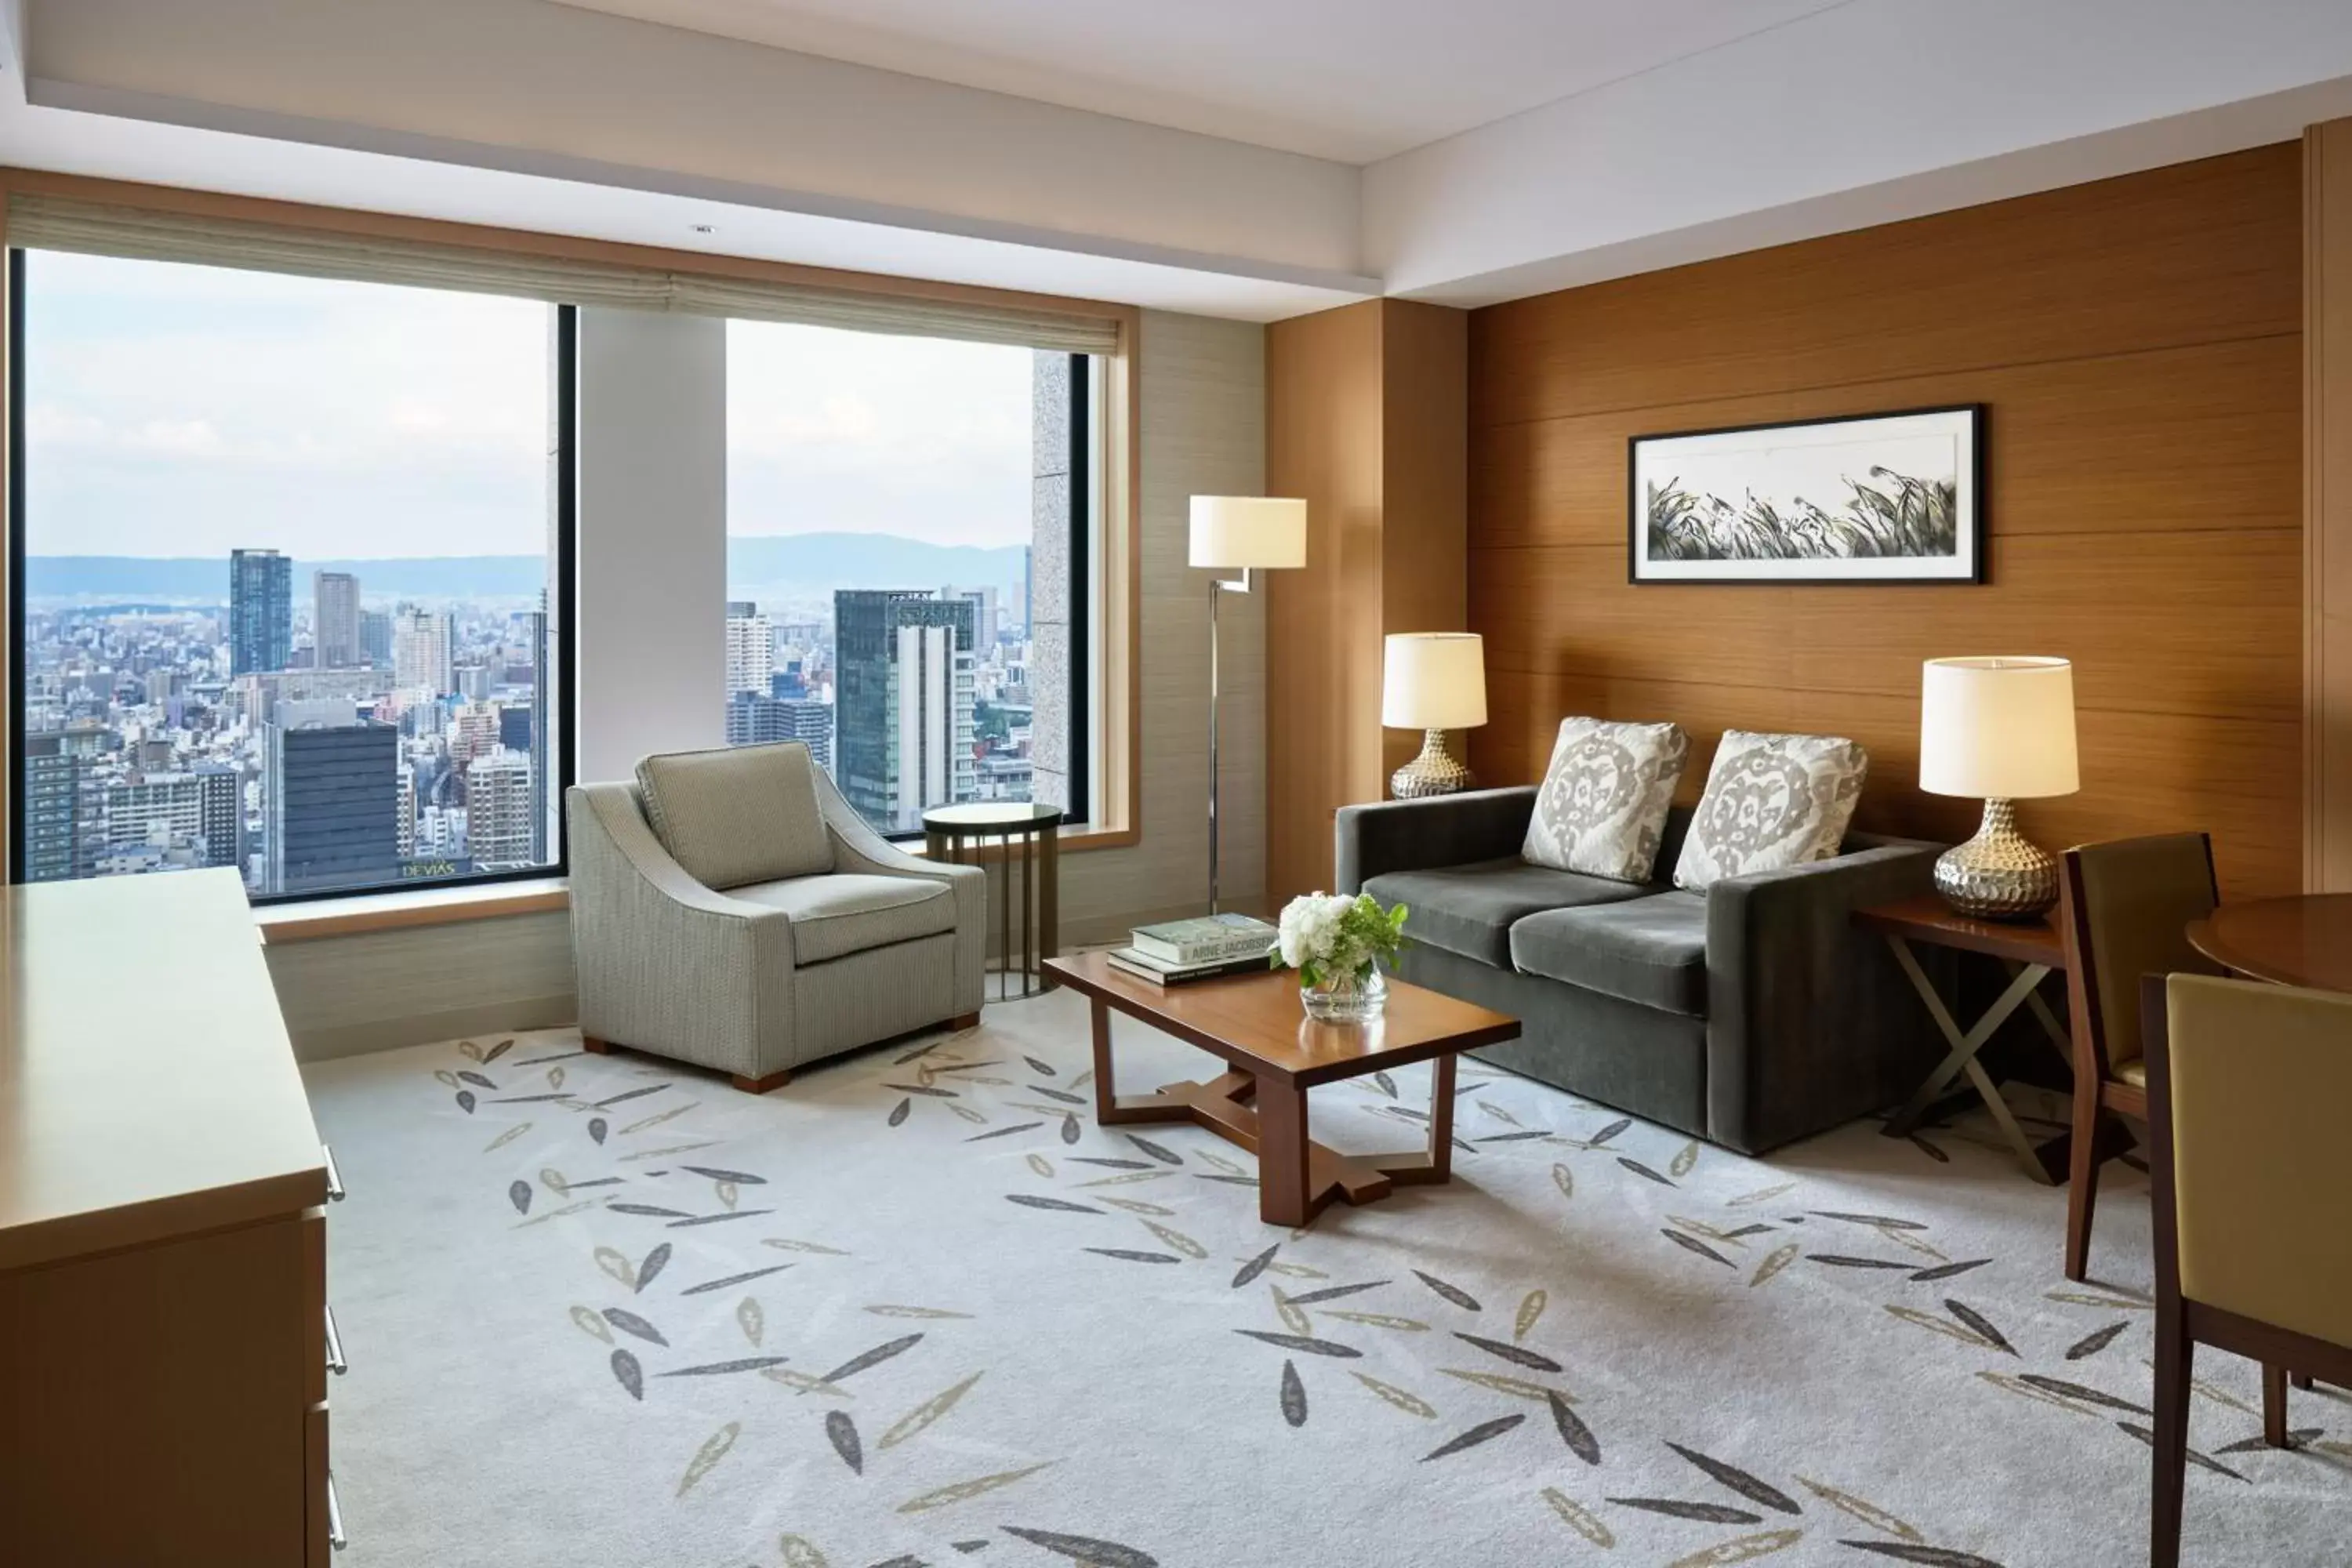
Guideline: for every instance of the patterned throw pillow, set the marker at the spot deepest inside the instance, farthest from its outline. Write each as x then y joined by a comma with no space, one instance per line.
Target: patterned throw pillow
1772,801
1604,798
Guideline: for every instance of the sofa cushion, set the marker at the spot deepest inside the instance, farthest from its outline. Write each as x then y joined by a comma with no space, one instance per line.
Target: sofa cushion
1604,798
1648,949
739,814
1469,909
838,915
1770,802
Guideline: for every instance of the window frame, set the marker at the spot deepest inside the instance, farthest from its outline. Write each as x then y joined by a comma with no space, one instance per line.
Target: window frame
560,704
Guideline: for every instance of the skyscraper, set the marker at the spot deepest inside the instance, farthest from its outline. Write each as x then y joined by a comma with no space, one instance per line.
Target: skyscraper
903,720
498,802
220,798
542,658
375,638
984,603
52,784
261,610
750,648
756,721
335,620
331,800
420,650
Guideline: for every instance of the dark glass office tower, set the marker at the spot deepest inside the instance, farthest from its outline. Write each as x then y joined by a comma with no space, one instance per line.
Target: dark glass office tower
260,611
333,805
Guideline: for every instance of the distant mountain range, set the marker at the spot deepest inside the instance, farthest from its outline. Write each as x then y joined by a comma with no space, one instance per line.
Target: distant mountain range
832,559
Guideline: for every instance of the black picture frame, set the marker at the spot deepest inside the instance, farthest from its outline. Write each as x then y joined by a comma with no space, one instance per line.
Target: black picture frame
1964,422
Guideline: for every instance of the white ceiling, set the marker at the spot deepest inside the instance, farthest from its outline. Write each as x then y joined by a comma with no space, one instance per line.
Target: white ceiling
1353,81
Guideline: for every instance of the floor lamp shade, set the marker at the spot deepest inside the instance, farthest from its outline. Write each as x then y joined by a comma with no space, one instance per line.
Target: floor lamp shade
1999,730
1248,530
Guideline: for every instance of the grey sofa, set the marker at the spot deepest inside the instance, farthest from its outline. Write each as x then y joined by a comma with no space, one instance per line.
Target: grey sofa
730,910
1752,1014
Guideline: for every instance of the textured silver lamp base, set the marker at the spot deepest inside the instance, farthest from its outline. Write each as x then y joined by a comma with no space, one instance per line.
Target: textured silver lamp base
1998,875
1434,771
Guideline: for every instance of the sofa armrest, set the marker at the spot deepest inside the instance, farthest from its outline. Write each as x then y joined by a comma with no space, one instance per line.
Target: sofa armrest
663,963
857,847
1809,1024
1416,834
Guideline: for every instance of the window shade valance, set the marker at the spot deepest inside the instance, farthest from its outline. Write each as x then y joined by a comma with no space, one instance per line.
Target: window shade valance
57,223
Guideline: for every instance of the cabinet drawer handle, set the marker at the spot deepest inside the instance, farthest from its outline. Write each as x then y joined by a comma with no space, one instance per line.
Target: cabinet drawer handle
335,1361
334,1176
335,1536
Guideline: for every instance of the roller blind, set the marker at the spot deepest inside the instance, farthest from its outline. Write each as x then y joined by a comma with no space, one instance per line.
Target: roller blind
58,223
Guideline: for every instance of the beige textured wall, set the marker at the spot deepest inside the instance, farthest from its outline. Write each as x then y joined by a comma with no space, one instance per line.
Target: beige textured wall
1202,414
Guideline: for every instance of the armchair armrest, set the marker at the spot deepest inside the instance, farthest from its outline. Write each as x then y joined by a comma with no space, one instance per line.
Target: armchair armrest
1416,834
857,847
1809,1021
665,963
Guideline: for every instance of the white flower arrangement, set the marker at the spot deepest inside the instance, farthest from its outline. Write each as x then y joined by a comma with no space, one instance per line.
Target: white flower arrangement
1328,936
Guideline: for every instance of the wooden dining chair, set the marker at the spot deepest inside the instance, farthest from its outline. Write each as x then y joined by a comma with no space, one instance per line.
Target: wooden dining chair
2247,1083
2124,908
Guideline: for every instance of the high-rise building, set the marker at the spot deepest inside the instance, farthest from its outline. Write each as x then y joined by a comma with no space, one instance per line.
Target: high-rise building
984,613
220,802
375,638
756,721
903,718
404,826
261,610
473,732
499,804
420,650
331,800
541,799
750,648
335,620
52,809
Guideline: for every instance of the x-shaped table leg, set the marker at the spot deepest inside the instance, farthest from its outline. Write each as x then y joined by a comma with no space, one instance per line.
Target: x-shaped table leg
1965,1047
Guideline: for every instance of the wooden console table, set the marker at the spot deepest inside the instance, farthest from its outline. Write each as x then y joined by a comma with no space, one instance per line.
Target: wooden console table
164,1338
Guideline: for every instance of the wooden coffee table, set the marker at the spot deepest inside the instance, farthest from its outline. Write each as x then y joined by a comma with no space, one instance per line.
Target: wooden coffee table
1275,1054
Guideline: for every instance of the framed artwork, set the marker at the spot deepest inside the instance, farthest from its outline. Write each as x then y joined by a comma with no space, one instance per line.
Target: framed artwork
1872,498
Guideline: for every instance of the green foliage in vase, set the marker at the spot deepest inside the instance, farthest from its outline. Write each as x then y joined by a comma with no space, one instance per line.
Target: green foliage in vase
1326,936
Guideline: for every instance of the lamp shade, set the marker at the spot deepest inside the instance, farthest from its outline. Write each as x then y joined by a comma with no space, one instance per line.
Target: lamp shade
1433,680
1248,530
1996,729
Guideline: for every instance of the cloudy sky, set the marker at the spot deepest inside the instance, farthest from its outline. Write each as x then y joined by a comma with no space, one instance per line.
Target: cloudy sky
188,411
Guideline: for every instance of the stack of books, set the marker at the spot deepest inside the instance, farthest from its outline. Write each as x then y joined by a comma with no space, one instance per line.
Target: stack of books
1175,952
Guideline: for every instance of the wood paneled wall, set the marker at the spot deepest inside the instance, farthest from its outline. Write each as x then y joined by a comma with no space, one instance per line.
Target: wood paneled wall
2327,500
2138,342
1365,419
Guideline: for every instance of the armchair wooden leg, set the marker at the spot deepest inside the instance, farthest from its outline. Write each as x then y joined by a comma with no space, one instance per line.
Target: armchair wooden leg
2300,1379
963,1021
594,1046
2082,1182
2274,1404
762,1085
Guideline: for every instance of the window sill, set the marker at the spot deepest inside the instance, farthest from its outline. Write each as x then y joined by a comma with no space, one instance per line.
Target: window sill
281,923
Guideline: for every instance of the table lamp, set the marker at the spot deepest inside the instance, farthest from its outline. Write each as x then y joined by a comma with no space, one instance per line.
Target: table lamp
1432,681
1249,533
1998,730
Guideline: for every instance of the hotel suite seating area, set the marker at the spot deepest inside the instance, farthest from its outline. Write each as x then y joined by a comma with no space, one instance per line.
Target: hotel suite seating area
619,610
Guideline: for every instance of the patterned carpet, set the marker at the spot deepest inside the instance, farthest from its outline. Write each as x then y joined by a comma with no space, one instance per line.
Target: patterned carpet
917,1309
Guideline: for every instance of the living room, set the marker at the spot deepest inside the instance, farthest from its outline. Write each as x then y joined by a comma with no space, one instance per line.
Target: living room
844,787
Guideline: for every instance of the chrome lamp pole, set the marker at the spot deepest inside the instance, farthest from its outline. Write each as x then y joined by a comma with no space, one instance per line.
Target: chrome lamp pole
1248,532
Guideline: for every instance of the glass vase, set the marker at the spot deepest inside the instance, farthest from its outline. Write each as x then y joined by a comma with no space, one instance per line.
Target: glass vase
1355,997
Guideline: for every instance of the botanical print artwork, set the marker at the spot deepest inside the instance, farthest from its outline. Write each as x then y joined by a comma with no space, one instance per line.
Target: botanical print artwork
1872,498
918,1309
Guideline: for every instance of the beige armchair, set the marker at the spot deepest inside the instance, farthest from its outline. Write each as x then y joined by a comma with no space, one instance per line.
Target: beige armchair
729,910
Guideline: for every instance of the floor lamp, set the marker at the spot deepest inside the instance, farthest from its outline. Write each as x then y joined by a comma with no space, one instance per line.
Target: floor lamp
1248,532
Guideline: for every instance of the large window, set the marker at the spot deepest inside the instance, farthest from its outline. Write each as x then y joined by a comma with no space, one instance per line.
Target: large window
293,571
909,527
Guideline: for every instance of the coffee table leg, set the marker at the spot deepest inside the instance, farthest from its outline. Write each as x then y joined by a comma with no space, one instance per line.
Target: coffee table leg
1282,1148
1441,1119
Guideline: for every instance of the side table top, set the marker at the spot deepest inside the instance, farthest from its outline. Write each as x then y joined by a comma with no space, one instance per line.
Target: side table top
1930,920
2304,941
992,817
1254,1021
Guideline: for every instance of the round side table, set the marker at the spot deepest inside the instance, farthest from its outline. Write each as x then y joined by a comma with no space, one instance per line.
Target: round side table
959,835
